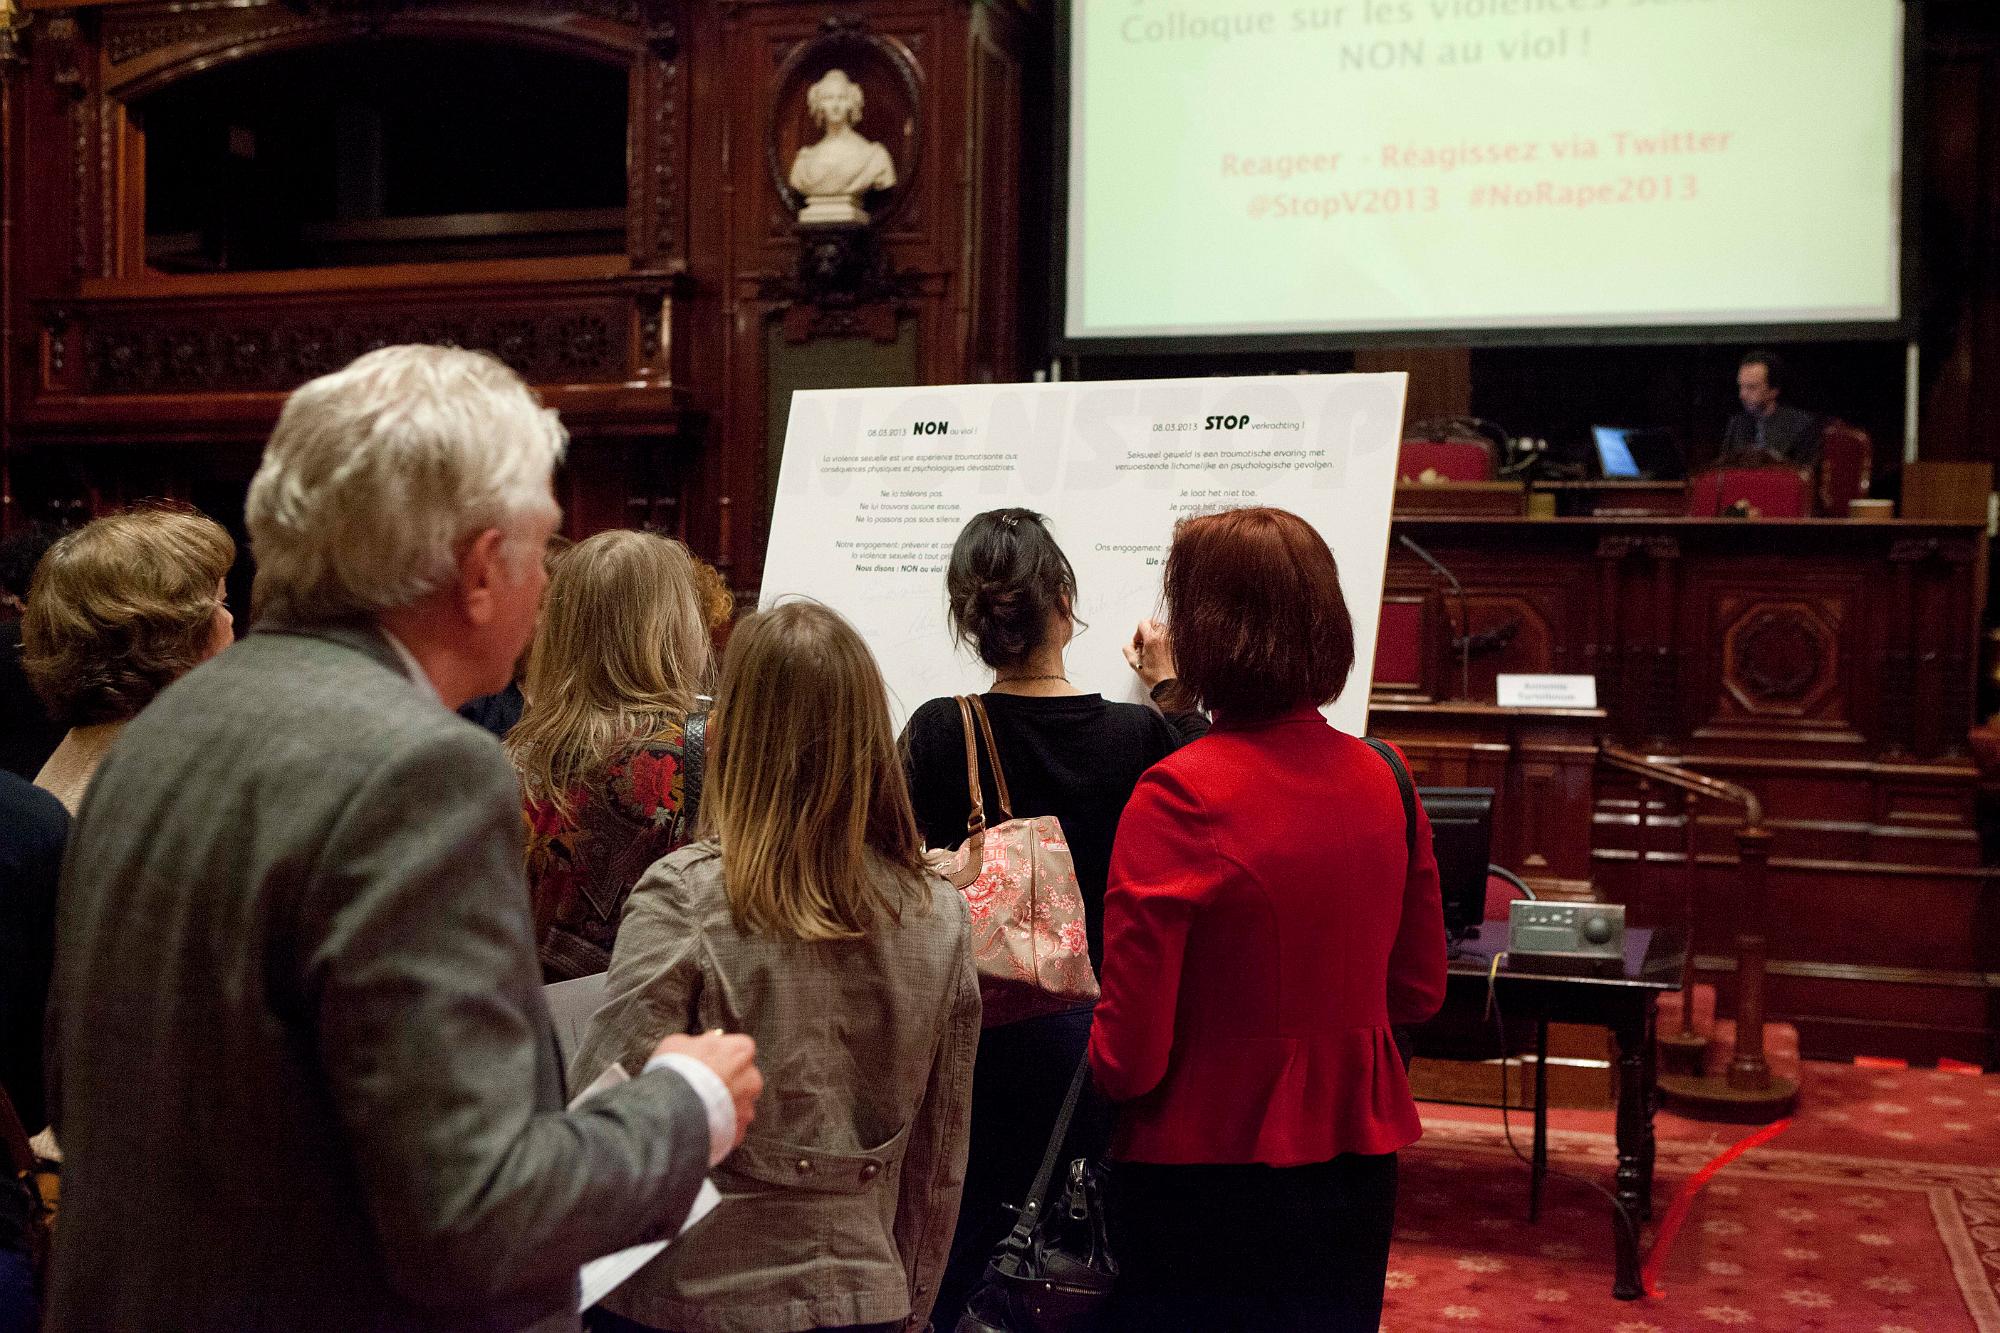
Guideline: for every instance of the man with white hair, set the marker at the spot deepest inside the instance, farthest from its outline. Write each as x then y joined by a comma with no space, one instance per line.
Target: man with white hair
301,1066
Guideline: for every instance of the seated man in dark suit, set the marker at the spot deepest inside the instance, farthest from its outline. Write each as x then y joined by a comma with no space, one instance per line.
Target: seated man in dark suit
1767,430
300,1062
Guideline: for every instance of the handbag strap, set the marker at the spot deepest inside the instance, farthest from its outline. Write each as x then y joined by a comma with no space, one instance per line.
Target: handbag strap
694,758
1030,1212
1404,788
993,753
975,821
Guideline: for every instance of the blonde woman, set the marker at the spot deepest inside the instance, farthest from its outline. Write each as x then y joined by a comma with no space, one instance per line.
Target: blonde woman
119,610
806,919
619,655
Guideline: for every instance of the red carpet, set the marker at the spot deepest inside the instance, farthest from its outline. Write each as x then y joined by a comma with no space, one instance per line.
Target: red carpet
1877,1212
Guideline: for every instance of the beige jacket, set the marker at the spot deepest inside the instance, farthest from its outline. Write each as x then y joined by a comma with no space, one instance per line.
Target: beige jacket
839,1207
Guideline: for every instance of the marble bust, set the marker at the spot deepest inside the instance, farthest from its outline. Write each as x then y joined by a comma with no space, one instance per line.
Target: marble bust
834,173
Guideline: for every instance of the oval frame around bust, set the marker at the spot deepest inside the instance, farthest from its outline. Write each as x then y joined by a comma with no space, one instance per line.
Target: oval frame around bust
892,85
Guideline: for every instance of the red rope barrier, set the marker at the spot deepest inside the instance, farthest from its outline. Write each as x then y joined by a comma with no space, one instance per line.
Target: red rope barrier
1670,1225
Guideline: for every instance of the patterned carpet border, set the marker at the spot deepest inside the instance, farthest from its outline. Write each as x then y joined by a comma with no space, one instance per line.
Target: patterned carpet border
1964,1200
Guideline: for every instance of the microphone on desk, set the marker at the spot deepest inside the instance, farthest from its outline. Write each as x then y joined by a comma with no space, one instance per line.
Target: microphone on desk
1464,616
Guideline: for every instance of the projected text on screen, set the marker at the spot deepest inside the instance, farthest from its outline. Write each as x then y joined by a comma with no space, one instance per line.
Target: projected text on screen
1252,166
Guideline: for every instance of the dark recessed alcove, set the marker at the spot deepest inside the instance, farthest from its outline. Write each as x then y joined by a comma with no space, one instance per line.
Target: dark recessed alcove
385,151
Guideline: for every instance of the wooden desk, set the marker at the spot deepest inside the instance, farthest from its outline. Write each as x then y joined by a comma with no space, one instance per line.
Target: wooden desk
1589,498
1827,664
1507,499
1626,1006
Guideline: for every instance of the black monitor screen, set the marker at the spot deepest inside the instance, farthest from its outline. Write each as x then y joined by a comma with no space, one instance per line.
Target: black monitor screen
1462,837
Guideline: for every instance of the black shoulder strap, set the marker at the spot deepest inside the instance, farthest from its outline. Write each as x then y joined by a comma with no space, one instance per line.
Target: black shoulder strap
1020,1241
1404,787
694,750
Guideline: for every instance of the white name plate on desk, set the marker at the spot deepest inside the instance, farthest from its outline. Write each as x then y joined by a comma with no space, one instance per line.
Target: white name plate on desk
1547,691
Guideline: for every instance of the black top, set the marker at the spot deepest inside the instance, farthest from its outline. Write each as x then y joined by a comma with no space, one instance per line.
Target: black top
33,828
1076,757
496,712
28,735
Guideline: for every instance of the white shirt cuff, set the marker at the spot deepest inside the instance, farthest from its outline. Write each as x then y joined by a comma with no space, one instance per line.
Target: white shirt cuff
715,1099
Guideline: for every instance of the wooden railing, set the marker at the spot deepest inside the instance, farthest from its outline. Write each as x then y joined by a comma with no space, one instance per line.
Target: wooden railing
1748,1089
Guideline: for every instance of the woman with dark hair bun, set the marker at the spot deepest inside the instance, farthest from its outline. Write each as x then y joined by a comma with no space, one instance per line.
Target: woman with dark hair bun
1068,753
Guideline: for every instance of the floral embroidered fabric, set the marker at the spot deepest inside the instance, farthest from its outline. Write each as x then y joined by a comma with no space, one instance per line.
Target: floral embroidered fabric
582,868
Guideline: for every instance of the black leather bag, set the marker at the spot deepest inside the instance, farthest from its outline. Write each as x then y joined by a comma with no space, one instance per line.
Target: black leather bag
1054,1271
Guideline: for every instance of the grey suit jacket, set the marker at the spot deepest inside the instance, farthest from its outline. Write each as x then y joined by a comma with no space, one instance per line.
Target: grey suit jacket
839,1207
300,1062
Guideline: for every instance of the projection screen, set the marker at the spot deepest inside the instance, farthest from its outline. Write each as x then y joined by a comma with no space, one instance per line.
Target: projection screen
1286,167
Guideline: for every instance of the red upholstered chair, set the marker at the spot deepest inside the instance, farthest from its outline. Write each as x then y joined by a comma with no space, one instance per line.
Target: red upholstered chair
1769,492
1399,647
1846,460
1446,460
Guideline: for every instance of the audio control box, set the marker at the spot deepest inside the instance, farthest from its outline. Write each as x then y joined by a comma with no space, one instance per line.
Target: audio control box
1566,939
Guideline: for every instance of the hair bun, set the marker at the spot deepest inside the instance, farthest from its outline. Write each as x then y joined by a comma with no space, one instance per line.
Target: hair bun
1006,579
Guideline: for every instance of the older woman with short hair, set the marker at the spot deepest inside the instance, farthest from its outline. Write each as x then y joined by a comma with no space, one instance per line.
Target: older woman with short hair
1268,917
119,610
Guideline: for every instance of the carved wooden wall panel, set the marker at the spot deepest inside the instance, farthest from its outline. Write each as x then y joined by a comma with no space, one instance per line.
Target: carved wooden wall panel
1824,665
1780,670
942,86
1512,633
657,361
105,349
1522,621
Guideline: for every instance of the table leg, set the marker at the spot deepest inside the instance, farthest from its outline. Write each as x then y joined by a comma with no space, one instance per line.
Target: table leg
1634,1116
1650,1063
1540,1170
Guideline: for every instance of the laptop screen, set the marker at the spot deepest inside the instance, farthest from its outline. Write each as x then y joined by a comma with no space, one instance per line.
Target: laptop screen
1614,451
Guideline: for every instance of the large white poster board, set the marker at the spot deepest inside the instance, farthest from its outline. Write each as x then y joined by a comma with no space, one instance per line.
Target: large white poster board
876,484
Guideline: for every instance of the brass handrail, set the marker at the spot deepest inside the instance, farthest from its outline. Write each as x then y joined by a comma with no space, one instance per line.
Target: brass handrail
1686,779
1749,1081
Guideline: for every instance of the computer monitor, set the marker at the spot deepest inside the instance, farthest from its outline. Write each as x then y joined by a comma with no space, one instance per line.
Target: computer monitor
1462,839
1632,453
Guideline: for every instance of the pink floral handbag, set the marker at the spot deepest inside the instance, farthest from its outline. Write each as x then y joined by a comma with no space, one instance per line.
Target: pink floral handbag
1028,936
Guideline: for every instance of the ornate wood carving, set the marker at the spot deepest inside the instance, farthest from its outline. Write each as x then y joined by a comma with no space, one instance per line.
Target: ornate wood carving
66,71
213,25
840,269
1780,658
1621,545
666,185
280,350
1844,642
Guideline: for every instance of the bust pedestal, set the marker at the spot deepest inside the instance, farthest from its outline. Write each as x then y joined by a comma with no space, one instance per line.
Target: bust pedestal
832,210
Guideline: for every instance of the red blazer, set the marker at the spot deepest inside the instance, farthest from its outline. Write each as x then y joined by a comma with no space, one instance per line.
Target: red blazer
1264,926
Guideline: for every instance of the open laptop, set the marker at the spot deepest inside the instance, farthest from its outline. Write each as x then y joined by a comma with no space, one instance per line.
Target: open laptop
1637,453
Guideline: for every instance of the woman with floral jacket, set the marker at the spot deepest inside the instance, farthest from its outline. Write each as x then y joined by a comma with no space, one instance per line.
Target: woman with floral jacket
618,659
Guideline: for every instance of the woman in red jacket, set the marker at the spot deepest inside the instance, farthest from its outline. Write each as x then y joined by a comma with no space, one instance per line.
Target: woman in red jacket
1265,925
